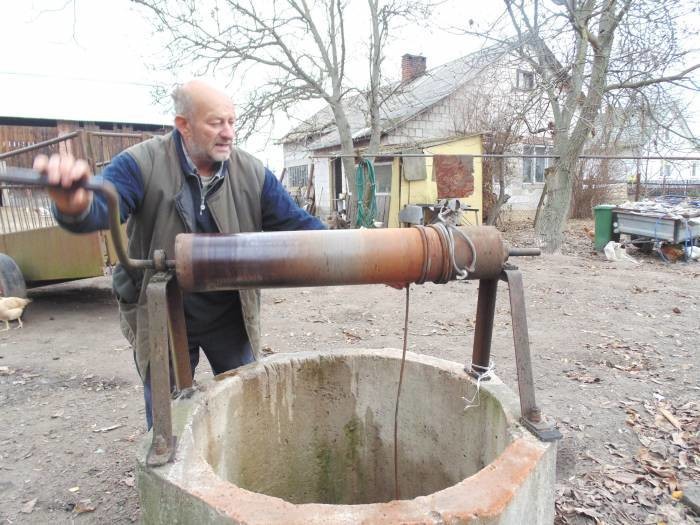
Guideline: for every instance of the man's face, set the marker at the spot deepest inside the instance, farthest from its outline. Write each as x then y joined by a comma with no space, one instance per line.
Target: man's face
209,133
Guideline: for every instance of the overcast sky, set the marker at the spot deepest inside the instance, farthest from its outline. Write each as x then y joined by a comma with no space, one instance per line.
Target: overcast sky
87,59
93,59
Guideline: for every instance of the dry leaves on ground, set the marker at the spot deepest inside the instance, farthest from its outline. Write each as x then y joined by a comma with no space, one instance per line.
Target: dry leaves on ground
647,487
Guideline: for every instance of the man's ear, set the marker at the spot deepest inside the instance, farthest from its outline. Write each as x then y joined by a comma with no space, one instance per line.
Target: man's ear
182,125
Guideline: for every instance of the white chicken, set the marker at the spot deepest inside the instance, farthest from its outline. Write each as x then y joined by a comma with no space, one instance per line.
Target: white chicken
11,309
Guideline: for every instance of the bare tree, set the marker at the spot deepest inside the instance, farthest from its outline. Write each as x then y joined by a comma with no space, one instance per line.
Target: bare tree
615,133
296,49
582,52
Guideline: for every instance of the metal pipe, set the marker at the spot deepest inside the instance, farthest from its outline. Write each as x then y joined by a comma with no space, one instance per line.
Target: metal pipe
523,252
312,258
483,327
332,257
38,145
123,134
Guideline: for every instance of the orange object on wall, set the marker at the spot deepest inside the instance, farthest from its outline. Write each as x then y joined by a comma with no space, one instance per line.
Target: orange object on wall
454,175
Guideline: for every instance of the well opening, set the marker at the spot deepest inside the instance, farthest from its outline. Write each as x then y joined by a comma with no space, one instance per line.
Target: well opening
319,429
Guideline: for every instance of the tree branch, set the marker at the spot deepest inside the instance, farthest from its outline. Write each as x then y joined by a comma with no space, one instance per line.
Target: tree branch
651,81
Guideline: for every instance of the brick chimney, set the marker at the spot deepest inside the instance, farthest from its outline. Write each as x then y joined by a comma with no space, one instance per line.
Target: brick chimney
412,66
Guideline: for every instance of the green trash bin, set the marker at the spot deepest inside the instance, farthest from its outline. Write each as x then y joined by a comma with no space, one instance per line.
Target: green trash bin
603,225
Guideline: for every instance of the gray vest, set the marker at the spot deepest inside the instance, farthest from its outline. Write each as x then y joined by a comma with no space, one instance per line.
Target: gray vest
235,206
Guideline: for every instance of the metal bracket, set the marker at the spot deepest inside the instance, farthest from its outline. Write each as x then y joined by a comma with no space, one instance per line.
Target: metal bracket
162,448
544,430
178,336
531,418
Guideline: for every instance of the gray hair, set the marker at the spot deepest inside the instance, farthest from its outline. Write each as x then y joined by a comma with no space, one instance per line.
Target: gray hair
182,101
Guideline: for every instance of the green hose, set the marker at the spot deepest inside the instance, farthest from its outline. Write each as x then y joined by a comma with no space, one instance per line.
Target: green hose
366,204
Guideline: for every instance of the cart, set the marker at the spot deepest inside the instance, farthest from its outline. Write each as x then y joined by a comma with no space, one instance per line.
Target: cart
656,226
34,249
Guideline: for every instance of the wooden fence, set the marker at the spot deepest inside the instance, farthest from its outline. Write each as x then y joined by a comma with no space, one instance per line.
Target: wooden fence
20,144
17,144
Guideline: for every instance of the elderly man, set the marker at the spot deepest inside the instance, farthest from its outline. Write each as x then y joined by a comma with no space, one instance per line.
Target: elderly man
190,180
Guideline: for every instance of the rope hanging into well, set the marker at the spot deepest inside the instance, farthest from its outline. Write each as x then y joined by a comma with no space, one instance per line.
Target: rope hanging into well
446,234
397,489
366,204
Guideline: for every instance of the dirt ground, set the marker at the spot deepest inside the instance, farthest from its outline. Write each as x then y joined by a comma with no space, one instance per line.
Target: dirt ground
614,354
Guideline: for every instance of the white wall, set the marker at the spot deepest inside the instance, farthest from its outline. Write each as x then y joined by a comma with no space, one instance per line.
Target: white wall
322,183
295,154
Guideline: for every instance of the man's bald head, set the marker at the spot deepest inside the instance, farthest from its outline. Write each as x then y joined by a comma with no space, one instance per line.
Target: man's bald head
190,96
205,117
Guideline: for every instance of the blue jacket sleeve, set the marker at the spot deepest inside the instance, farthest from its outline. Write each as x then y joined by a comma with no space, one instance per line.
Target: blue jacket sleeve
280,212
126,176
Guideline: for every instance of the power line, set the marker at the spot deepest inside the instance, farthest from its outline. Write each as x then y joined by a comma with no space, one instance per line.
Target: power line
82,79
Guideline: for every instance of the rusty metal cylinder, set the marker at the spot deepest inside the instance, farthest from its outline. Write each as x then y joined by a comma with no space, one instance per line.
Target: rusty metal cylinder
333,257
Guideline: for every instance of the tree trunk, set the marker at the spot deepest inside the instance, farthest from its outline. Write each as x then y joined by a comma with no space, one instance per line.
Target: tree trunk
495,212
503,197
346,147
552,215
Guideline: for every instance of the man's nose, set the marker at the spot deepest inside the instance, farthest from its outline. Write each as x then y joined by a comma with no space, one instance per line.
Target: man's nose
227,131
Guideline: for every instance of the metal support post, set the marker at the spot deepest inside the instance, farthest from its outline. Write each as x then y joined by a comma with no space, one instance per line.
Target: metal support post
163,445
531,416
483,330
178,336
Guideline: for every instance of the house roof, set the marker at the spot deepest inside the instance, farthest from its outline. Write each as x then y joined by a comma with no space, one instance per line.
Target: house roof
388,150
404,100
34,97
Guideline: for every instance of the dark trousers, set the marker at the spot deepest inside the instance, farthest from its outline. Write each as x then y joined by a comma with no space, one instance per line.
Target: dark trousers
226,348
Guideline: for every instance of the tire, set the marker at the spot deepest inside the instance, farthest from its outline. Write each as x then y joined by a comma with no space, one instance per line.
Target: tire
644,244
11,279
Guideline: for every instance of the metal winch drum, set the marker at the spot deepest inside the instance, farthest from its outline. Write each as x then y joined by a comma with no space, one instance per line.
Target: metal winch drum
309,437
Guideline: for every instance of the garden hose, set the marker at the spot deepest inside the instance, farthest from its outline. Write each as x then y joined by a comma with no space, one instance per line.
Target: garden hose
366,204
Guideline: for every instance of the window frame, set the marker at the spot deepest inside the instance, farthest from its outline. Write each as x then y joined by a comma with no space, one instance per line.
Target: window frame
390,165
535,149
520,76
298,173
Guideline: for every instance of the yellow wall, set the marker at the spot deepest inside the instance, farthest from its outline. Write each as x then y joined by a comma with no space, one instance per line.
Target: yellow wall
425,191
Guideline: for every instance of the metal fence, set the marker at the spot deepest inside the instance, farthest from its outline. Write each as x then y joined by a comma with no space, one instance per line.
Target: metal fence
23,208
686,188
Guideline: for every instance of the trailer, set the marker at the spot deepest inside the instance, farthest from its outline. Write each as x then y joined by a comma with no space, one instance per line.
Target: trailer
34,249
657,226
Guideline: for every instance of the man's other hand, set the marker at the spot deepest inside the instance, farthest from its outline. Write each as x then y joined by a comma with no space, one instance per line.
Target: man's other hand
65,171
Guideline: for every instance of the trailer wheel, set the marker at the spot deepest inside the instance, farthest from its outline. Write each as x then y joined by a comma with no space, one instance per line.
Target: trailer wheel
11,279
644,244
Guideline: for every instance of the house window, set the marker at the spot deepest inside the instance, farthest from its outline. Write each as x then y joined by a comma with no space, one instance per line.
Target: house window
667,171
382,177
524,79
533,169
298,176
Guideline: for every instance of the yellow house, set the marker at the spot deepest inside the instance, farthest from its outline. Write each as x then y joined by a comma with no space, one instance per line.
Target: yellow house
425,191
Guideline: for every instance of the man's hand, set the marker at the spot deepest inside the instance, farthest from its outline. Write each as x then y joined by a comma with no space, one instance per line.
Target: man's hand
65,170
